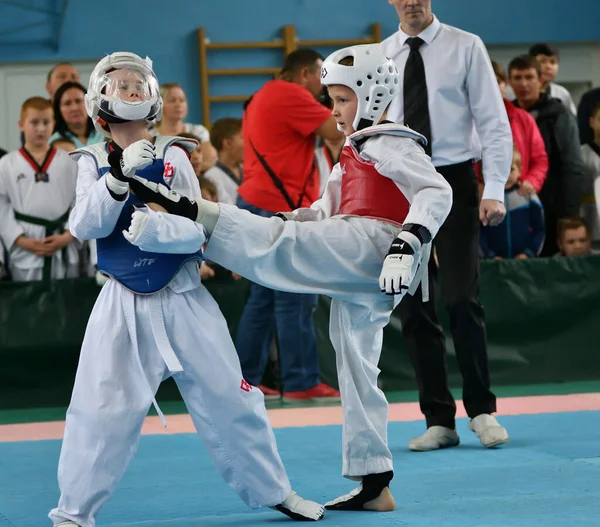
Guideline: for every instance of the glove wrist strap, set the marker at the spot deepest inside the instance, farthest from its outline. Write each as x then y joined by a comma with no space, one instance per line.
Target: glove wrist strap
422,233
118,189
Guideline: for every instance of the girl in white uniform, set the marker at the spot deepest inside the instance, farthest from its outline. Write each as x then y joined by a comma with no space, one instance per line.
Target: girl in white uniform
369,234
153,319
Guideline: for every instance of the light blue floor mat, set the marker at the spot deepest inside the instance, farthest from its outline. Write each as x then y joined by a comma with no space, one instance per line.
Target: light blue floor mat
548,475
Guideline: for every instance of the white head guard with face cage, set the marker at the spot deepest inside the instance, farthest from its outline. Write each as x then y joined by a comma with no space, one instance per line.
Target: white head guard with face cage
373,77
123,87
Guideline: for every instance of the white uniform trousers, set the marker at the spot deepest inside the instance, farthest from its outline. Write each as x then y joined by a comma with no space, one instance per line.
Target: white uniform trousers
342,258
119,372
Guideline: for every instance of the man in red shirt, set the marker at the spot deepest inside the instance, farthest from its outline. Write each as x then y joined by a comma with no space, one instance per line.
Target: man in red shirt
280,125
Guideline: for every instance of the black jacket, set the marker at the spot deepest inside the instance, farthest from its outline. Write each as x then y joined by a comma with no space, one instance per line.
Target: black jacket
561,193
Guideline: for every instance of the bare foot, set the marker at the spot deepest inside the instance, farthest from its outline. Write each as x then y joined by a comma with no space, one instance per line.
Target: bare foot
385,502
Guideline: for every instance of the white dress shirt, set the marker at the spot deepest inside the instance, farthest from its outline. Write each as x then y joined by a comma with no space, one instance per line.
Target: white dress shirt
468,117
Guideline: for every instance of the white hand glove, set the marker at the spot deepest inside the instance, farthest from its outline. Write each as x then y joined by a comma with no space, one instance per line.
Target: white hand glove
164,233
137,156
401,264
101,279
139,220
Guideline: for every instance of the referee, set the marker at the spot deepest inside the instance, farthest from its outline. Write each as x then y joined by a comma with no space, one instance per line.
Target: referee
450,95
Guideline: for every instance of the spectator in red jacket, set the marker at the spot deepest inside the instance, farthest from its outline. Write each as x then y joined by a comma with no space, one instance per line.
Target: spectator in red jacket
528,141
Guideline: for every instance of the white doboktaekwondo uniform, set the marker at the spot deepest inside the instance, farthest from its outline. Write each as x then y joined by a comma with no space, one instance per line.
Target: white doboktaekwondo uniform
132,343
225,181
329,250
45,193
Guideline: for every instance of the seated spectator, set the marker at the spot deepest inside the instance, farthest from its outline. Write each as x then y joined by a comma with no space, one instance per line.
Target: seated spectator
37,189
71,119
586,107
590,202
175,110
574,237
196,157
58,75
521,234
62,143
527,140
548,58
208,189
561,193
226,137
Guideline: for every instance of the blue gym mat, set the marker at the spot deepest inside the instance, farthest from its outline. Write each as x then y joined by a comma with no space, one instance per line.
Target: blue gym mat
548,475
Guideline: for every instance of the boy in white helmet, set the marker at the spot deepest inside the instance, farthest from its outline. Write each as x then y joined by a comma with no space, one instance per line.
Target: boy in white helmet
153,319
369,234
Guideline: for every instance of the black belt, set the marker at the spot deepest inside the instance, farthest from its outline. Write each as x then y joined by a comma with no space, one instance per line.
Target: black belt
51,227
457,166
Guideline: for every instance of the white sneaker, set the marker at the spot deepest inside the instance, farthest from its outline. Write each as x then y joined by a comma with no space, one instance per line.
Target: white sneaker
434,438
300,509
66,524
488,430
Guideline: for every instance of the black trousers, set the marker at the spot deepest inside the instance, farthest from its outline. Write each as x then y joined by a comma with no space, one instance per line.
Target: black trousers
457,246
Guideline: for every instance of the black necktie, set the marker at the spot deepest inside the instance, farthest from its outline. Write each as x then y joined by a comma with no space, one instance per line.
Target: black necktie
416,109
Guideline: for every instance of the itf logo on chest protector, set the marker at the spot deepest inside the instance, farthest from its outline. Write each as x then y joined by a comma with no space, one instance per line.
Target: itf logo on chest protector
139,271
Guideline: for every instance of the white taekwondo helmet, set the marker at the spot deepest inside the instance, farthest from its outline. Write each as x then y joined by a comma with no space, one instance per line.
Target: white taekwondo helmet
373,77
123,87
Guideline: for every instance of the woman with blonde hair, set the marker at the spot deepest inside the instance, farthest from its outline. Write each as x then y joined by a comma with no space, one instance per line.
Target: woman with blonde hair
175,110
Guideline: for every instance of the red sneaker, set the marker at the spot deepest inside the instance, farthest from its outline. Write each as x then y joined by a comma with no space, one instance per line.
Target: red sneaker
320,393
269,393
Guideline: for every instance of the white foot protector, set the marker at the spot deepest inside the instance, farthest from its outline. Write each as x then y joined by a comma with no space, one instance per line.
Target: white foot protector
435,438
300,509
66,524
488,430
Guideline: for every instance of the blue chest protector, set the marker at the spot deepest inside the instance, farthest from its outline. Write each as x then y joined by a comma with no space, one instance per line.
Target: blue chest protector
139,271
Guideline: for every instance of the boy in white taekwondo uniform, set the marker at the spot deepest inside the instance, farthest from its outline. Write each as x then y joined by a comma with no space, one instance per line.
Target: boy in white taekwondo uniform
37,191
383,204
152,319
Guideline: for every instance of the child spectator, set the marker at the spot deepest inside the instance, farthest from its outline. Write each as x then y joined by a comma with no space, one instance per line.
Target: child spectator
62,143
196,157
226,137
548,58
208,189
574,237
37,190
521,234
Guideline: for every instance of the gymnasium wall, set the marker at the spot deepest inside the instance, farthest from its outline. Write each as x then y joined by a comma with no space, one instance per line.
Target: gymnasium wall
166,31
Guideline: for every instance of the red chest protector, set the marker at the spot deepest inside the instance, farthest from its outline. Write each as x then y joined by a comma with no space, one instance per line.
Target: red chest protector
365,192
